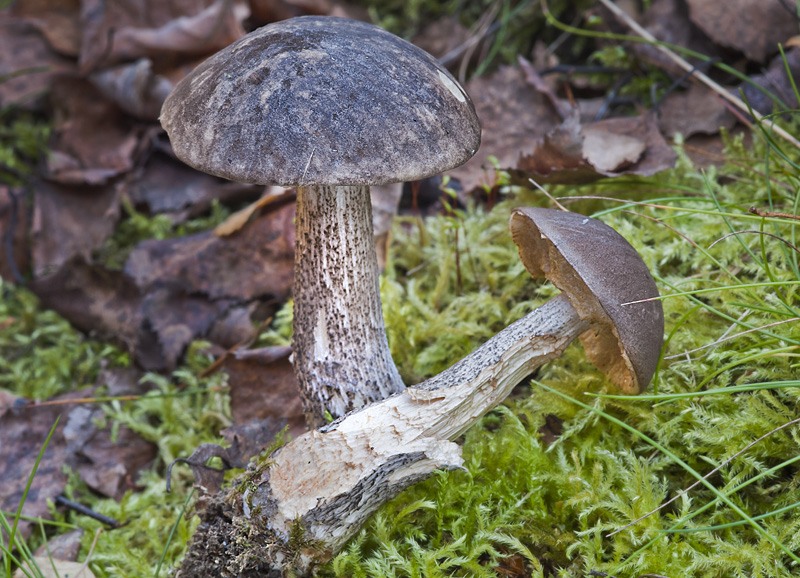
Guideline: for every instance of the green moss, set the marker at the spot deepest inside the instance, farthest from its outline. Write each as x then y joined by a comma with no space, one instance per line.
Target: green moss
454,281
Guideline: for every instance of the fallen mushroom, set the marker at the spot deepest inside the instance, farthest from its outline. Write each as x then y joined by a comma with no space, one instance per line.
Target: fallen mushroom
330,106
318,490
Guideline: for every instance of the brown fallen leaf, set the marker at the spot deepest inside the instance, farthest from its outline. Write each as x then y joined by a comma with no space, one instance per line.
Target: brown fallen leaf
575,154
166,185
775,80
263,386
513,116
55,568
135,88
57,20
93,141
695,111
267,11
753,27
162,31
238,219
668,20
70,221
108,467
26,63
256,262
93,299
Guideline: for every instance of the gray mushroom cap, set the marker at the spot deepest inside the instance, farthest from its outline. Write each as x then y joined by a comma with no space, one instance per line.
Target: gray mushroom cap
321,101
599,272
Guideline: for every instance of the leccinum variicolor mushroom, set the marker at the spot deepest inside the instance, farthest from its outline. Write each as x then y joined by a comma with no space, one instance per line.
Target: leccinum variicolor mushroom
330,106
330,480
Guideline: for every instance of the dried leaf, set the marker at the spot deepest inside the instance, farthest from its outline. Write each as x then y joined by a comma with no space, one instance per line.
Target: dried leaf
57,20
256,262
668,20
695,111
93,299
26,63
775,80
574,154
93,141
70,221
513,116
55,568
267,11
166,185
263,386
123,32
754,27
135,88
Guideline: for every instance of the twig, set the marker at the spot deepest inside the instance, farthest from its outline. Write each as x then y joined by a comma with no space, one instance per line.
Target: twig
736,101
754,211
81,509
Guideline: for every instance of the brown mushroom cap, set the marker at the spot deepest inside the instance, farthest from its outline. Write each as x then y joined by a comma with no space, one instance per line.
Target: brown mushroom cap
598,270
321,101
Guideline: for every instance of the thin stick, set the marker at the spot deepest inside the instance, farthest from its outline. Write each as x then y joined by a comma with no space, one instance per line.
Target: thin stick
736,101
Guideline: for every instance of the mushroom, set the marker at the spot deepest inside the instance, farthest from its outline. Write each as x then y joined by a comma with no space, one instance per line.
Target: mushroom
328,481
330,106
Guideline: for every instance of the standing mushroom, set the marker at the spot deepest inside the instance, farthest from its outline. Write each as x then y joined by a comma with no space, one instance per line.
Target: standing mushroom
324,484
330,106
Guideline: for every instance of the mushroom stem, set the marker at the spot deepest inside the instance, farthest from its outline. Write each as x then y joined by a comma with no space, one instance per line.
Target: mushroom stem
329,481
341,355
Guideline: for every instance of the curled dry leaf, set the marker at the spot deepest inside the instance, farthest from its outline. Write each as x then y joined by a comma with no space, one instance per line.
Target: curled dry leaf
754,27
135,88
122,32
574,154
93,140
165,185
775,80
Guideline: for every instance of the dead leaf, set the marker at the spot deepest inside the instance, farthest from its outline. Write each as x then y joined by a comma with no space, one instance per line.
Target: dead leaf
63,547
70,221
166,185
256,262
513,116
93,299
754,27
57,20
441,36
109,467
238,219
27,64
695,111
25,430
609,152
775,80
267,11
668,20
135,88
163,31
92,141
263,386
566,156
55,568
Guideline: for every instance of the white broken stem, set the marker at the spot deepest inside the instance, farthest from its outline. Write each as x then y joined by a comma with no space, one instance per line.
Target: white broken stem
341,355
330,480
